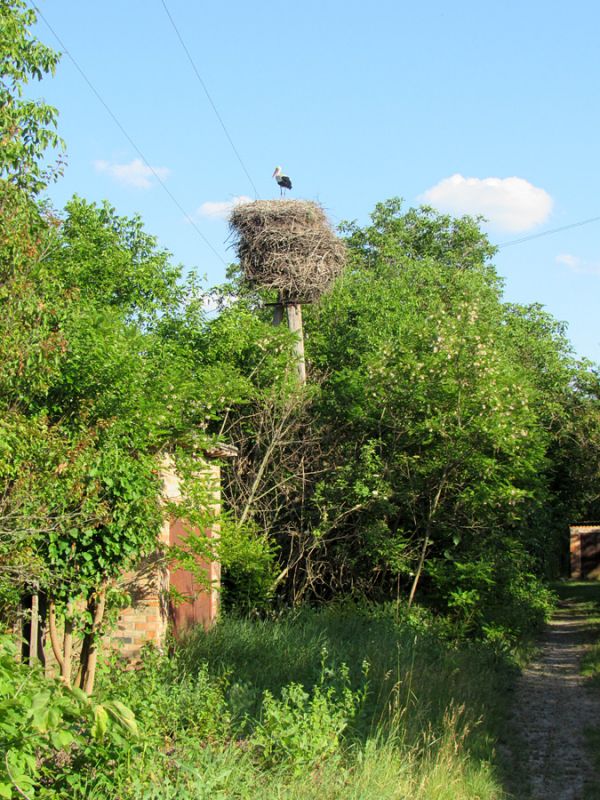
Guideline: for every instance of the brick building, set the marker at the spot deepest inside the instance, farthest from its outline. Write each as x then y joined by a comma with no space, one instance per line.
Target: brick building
585,550
152,609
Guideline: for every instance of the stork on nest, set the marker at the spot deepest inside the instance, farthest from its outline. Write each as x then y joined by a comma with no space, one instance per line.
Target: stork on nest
282,181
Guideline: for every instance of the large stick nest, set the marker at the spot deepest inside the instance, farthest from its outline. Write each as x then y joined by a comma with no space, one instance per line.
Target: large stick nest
287,245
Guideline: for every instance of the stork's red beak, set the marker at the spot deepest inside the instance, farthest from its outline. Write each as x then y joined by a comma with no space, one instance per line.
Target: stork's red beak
274,173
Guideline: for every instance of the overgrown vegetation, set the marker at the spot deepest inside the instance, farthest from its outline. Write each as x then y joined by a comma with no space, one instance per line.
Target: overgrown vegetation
107,365
387,532
425,460
341,702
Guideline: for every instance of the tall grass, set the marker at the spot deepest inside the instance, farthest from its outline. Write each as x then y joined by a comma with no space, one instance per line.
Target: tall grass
414,672
343,702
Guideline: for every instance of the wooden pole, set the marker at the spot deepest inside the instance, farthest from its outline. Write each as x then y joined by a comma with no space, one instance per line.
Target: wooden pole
294,314
294,317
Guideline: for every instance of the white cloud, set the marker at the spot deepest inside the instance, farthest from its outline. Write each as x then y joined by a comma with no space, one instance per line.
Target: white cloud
578,265
221,209
510,204
572,262
136,173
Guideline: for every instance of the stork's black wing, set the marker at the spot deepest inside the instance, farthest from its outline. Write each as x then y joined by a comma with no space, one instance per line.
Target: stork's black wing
284,181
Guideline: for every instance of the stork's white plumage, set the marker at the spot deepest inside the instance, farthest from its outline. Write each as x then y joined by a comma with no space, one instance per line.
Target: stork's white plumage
282,180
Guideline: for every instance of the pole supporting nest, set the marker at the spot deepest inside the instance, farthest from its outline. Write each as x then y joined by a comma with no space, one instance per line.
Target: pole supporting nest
288,245
294,318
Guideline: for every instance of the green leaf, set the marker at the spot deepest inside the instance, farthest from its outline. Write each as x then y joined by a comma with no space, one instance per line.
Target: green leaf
100,724
39,701
80,695
123,715
61,739
40,720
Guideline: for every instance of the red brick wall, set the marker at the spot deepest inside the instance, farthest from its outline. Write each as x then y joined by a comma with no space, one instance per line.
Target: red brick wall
150,612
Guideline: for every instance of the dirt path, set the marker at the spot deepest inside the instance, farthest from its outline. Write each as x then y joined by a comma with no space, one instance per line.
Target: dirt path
552,708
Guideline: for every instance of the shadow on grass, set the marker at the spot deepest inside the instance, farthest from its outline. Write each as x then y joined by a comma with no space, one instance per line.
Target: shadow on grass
587,592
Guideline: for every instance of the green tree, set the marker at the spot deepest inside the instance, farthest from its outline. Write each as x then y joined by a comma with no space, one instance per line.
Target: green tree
30,326
138,373
423,381
27,127
576,457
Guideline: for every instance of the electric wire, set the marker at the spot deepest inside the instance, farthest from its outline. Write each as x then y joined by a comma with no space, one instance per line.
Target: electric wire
547,233
210,100
130,140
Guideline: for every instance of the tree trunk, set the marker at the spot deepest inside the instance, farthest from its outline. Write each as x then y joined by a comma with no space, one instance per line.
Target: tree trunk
89,651
427,540
67,646
415,583
294,313
58,652
62,653
34,627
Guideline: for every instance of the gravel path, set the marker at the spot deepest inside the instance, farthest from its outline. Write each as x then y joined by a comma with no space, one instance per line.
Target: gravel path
552,708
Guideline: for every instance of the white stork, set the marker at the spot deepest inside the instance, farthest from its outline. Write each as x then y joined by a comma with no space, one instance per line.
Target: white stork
282,180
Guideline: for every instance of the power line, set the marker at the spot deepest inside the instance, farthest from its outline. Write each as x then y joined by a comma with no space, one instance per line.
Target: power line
130,140
548,233
210,100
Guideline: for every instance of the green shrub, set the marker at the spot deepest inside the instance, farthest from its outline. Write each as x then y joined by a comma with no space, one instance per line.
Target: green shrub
44,725
303,728
496,597
171,703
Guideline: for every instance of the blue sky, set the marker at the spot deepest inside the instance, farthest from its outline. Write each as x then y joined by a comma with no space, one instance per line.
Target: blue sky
469,106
